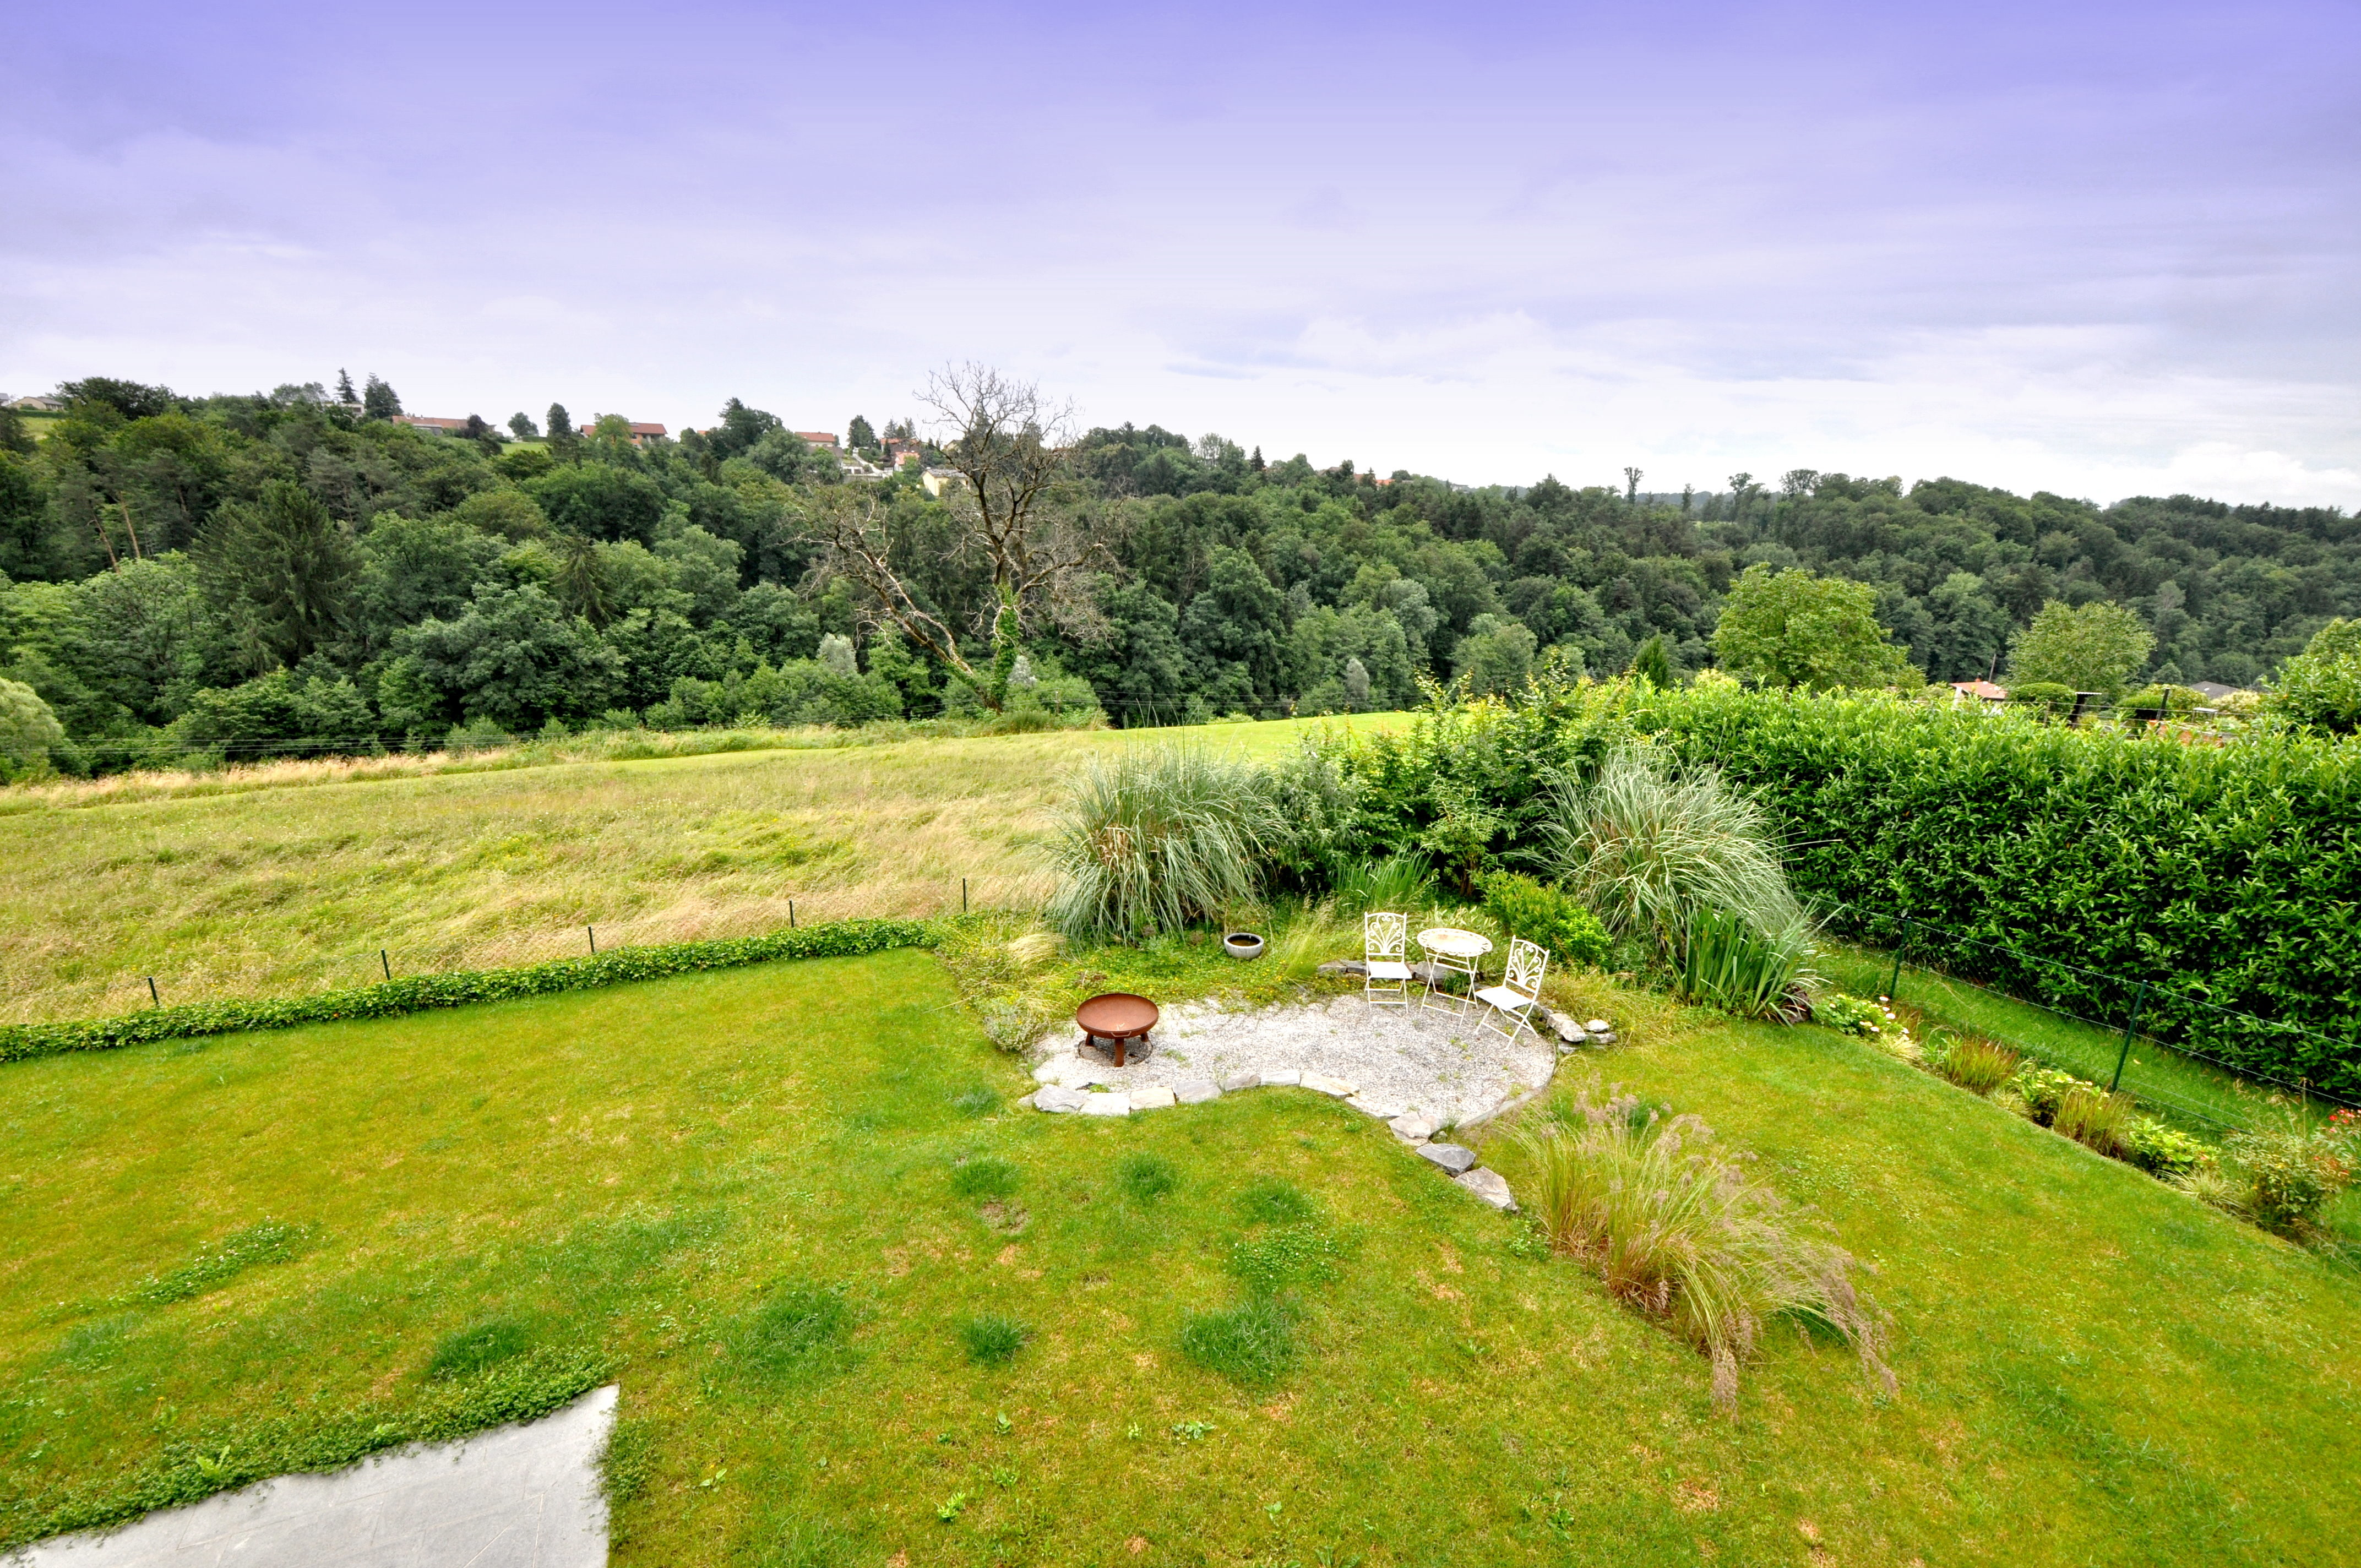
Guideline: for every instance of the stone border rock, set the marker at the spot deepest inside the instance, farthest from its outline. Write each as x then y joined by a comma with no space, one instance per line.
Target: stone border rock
1416,1129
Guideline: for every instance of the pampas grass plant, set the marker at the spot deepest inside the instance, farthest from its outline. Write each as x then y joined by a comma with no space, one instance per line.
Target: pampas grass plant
1679,1232
1152,839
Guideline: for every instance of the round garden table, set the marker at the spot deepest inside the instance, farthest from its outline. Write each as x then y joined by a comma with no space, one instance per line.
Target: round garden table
1450,949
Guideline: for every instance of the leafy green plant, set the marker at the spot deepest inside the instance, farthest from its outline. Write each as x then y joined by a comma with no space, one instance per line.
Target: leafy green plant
1679,1232
1403,882
468,1351
2095,1119
1526,908
1015,1023
1978,1065
2288,1173
1153,837
1146,1178
987,1177
2163,1150
1649,850
1725,960
264,1242
2044,1090
1252,1342
992,1340
1848,1015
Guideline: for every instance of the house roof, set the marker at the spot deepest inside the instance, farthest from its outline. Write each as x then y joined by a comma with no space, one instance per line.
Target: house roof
1984,690
2214,689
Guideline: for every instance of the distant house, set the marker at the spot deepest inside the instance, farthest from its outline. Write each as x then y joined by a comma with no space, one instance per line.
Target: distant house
900,449
818,438
424,421
937,479
2213,691
1978,691
37,405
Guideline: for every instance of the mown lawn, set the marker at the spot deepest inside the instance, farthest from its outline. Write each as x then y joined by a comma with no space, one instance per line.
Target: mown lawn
769,1194
303,886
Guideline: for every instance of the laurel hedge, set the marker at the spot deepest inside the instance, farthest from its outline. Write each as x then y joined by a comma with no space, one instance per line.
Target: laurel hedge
418,993
2126,867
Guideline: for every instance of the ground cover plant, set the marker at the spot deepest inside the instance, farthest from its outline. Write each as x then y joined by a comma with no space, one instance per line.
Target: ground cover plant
731,1192
305,873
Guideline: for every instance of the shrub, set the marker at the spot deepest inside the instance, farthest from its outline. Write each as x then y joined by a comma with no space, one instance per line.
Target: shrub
2047,700
1252,1342
1525,908
1683,1234
1978,1065
468,1351
1154,838
1726,962
2095,1119
1145,1178
2044,1090
992,1340
2163,1151
2287,1174
1848,1015
1647,851
1015,1023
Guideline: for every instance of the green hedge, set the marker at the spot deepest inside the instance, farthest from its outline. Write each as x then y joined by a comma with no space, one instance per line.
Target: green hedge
2229,874
222,1459
417,993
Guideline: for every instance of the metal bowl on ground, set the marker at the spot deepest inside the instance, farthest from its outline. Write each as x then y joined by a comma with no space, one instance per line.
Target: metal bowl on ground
1243,944
1114,1021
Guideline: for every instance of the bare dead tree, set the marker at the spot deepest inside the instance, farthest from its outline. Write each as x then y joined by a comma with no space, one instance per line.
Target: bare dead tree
1016,513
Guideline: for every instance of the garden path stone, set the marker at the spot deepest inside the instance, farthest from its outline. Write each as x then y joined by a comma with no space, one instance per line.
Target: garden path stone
1344,966
1412,1127
1334,1088
1051,1097
1597,1025
516,1496
1383,1110
1435,1064
1488,1185
1450,1156
1196,1092
1106,1105
1287,1080
1156,1097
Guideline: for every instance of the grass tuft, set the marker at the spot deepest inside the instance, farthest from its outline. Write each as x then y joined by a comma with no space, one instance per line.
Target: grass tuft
1145,1177
980,1100
1271,1201
1978,1065
1153,839
988,1178
799,1329
1252,1342
264,1241
992,1340
481,1344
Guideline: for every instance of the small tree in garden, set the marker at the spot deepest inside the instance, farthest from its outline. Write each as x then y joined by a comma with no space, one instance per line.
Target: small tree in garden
2095,647
1793,629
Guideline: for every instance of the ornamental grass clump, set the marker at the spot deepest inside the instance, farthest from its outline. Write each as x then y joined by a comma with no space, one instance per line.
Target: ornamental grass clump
1980,1066
1154,838
1728,962
1679,1232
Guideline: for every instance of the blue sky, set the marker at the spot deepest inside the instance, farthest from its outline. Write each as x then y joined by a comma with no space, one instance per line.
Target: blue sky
2097,250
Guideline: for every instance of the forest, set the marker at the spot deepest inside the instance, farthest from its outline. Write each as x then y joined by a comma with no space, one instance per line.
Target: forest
188,579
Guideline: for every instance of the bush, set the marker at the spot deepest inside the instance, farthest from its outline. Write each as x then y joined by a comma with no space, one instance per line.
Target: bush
2047,700
1980,1066
1848,1015
2044,1090
2163,1151
992,1340
1683,1234
2287,1175
1525,908
1647,851
1154,838
1725,962
1397,882
1253,1343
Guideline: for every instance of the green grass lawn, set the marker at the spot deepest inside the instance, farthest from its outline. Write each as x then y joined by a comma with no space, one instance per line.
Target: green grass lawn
779,1197
274,882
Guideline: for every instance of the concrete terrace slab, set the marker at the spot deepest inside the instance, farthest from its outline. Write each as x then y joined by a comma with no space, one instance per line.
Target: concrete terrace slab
517,1497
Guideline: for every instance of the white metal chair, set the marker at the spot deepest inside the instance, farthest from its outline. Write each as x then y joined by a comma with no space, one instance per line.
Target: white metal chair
1385,945
1519,989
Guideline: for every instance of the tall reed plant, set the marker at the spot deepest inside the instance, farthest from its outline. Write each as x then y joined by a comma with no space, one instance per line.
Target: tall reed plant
1677,1231
1649,850
1152,838
1726,962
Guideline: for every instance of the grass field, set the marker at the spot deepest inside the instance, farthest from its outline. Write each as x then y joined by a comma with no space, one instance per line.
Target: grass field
782,1196
297,875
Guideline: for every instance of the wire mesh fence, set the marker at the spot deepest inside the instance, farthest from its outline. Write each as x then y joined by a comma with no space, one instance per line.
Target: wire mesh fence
2146,1037
172,979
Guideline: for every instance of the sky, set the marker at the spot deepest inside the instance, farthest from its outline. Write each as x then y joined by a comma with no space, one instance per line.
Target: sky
2097,250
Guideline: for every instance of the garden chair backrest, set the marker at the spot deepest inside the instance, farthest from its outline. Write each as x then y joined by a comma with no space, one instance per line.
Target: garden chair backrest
1385,935
1527,962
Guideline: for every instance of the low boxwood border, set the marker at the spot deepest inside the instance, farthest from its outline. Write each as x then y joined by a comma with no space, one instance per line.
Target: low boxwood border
417,993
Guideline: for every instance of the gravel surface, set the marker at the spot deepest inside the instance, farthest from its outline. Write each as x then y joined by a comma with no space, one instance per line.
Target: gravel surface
1399,1060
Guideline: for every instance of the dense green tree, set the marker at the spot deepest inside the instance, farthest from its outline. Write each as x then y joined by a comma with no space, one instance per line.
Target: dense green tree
27,731
379,399
1234,631
512,658
2093,647
1496,657
1654,663
2321,687
859,437
600,501
1794,628
279,571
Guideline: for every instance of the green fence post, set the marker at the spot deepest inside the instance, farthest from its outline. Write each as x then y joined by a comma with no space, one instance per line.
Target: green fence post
1894,980
2139,1000
594,939
384,963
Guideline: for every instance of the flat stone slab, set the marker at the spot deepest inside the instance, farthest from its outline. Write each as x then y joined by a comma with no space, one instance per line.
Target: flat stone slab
1450,1156
1196,1092
1287,1080
1051,1097
1238,1080
1153,1098
1334,1088
516,1496
1412,1128
1488,1185
1383,1110
1597,1027
1343,967
1105,1106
